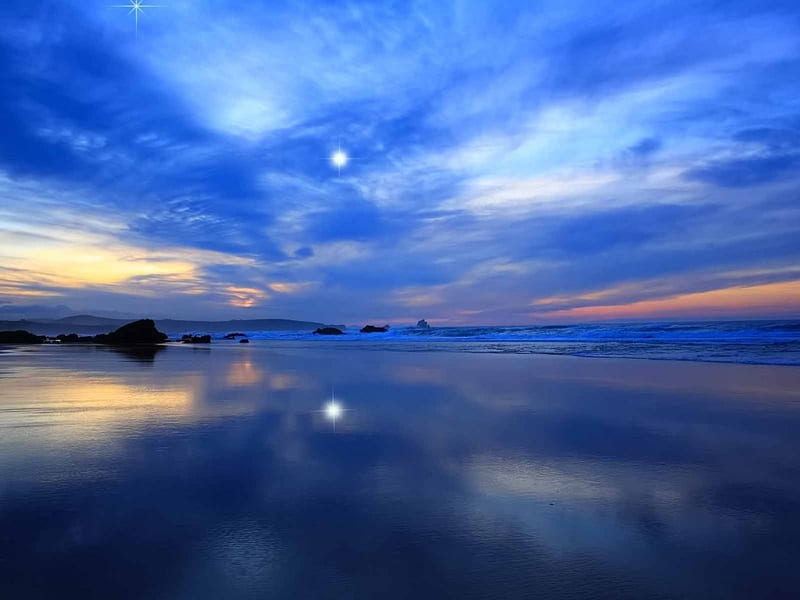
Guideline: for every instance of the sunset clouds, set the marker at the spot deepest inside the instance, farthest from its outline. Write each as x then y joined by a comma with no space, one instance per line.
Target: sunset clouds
510,163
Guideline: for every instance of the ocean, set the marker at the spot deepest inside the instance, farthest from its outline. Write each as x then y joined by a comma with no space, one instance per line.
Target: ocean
750,342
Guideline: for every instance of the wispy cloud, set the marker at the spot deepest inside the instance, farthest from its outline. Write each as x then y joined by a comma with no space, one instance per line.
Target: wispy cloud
510,162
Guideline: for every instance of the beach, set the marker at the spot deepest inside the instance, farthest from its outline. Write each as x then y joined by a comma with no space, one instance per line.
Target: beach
211,472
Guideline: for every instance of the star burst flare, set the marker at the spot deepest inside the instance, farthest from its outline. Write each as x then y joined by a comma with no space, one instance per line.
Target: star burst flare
136,7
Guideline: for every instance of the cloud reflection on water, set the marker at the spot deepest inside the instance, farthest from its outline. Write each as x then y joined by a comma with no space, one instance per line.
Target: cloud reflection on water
465,474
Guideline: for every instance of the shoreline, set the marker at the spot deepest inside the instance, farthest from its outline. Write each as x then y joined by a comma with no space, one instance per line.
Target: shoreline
424,347
771,343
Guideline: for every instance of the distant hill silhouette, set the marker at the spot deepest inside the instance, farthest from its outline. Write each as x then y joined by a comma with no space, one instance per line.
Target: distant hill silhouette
89,324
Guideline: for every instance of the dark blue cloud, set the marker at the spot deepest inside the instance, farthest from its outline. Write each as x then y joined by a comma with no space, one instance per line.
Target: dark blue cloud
772,137
777,155
745,172
622,228
354,220
146,153
646,147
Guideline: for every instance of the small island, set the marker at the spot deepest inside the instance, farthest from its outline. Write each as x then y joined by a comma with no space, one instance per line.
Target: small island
141,332
374,329
328,331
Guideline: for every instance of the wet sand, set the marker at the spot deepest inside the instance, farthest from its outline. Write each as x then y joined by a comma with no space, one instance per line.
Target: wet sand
215,472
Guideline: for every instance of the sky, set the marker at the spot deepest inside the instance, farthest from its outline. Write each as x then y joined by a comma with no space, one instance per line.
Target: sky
511,162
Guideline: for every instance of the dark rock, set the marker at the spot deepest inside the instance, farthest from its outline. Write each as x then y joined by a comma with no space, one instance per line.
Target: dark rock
196,339
423,324
139,332
20,337
244,341
74,338
373,329
329,331
233,336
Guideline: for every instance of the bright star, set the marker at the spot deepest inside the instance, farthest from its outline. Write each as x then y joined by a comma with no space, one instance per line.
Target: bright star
333,410
339,159
136,7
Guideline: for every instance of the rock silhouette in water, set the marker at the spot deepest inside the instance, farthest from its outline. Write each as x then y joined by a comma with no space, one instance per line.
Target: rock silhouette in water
373,329
329,331
20,337
423,324
196,339
139,332
74,338
244,341
233,336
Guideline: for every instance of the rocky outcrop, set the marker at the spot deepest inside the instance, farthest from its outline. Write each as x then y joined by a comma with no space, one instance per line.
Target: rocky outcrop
142,332
423,324
196,339
373,329
233,336
139,332
244,341
74,338
329,331
20,337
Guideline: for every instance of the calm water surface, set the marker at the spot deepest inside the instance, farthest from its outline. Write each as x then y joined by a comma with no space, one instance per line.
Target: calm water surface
212,473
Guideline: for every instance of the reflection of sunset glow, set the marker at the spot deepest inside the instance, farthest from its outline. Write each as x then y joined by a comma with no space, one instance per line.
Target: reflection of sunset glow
244,373
76,405
283,381
102,395
418,374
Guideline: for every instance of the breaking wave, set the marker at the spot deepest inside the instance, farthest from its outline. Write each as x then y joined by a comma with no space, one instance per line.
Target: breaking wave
758,342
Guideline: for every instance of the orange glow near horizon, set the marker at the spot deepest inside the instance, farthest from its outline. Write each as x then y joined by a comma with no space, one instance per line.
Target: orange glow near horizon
78,266
734,301
57,262
245,297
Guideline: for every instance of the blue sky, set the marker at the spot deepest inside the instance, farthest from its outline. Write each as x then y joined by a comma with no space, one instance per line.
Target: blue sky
513,162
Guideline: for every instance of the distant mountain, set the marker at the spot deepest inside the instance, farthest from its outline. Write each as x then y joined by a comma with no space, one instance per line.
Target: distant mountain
40,313
89,324
175,326
13,312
